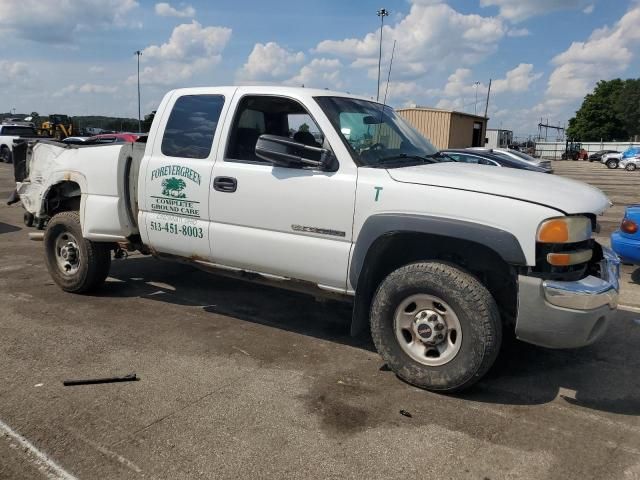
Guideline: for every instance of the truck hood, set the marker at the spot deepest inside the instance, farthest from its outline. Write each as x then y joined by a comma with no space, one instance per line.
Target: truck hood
566,195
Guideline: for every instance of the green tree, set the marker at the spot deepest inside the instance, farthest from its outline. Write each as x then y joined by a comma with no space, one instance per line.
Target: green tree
148,120
303,128
627,106
597,118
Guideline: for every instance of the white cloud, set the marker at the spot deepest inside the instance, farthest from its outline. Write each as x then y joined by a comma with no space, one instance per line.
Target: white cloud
91,88
607,53
269,62
96,69
517,80
461,82
319,73
12,72
588,9
519,10
431,36
191,48
166,10
57,23
518,32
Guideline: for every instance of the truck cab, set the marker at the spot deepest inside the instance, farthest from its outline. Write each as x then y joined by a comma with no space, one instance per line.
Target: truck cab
335,194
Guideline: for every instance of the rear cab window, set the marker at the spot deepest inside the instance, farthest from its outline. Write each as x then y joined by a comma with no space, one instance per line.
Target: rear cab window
191,126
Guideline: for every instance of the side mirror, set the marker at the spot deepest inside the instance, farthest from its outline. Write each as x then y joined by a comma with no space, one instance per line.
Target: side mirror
284,152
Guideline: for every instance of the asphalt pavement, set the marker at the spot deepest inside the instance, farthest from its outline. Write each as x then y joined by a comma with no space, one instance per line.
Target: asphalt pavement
246,381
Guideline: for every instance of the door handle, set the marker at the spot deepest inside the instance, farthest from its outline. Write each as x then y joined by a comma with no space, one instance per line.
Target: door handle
225,184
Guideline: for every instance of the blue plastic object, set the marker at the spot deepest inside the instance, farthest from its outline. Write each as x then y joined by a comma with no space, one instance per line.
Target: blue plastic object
631,152
627,245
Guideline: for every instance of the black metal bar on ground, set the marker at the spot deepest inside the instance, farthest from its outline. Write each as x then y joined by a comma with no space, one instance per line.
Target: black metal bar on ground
90,381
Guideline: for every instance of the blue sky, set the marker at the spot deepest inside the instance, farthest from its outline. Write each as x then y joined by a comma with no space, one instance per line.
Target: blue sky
76,56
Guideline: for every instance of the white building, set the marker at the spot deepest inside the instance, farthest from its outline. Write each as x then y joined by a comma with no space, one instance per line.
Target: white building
496,138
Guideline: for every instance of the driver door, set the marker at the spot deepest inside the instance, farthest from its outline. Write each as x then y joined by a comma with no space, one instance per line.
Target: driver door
289,222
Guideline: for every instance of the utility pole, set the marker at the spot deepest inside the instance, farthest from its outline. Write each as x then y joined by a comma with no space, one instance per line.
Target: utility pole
383,12
475,105
486,105
138,53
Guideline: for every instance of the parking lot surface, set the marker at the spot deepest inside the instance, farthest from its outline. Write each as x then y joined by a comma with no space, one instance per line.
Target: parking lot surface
245,381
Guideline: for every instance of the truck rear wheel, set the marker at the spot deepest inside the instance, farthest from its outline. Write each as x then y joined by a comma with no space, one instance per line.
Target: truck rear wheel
436,326
5,155
75,264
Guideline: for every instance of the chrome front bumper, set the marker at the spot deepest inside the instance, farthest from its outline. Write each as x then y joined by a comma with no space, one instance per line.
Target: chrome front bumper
568,314
590,292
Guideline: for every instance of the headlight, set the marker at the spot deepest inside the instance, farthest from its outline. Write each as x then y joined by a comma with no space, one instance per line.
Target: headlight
564,230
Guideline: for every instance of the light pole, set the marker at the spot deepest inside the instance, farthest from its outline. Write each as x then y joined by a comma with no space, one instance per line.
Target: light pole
138,53
475,105
383,12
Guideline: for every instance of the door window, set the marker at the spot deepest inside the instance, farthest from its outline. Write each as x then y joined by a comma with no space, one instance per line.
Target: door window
191,126
258,115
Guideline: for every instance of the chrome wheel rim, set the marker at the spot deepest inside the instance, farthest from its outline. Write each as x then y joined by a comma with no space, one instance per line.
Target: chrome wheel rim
67,253
427,329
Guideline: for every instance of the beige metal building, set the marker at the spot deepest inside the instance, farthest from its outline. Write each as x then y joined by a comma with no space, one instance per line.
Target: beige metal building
447,128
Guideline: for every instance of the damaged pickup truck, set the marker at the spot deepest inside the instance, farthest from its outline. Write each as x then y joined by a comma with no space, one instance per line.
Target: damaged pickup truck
332,193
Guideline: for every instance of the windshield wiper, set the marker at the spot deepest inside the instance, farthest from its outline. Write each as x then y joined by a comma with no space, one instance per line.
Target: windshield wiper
430,158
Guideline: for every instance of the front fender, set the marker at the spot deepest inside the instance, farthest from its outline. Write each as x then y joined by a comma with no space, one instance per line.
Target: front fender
504,243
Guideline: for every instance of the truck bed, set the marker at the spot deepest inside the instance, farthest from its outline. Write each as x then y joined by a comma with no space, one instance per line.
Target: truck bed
103,176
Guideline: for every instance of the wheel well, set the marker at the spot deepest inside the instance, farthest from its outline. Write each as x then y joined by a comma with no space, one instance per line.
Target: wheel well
393,250
61,197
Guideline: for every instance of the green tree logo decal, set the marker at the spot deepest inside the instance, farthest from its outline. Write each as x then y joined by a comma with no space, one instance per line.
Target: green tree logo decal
172,187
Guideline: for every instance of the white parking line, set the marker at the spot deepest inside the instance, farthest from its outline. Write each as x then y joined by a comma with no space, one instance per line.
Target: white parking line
40,459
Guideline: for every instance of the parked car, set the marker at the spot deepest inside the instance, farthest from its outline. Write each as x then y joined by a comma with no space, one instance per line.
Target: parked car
596,157
436,257
626,240
630,164
612,160
518,155
75,140
481,157
112,138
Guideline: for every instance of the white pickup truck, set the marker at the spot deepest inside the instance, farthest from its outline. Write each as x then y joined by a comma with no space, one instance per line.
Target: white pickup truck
334,193
9,133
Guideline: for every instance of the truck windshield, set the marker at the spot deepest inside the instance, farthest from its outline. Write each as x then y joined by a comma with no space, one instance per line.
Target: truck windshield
376,136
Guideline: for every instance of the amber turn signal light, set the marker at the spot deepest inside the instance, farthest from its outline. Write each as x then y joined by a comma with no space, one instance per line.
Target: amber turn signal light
570,229
569,258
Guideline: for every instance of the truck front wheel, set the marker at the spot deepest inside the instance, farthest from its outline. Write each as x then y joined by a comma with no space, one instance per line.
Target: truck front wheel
436,326
75,264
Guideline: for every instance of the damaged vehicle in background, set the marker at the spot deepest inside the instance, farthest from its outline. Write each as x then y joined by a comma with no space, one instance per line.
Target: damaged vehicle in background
438,258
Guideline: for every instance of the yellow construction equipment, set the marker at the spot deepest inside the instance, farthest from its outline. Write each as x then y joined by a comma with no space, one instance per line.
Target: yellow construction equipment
58,126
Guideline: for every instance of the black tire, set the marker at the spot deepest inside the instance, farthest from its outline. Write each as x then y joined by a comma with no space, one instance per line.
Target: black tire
475,308
630,167
612,164
94,259
28,219
5,155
